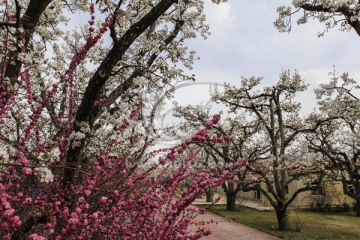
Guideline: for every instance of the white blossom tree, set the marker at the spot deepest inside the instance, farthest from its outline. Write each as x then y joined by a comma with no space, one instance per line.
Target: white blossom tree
227,142
344,14
146,46
337,138
280,127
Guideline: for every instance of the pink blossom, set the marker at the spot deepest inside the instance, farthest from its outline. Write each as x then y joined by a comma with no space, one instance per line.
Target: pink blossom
254,179
170,156
24,161
35,236
183,146
134,112
199,136
201,132
9,212
216,119
103,200
209,124
293,167
161,160
243,162
214,139
16,221
227,138
27,171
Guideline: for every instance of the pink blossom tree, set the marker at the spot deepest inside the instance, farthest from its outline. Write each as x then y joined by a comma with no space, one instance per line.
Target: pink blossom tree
74,134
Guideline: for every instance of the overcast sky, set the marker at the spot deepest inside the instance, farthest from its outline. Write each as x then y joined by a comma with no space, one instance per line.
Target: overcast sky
244,42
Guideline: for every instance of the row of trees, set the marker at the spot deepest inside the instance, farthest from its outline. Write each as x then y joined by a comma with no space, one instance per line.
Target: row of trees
277,145
267,132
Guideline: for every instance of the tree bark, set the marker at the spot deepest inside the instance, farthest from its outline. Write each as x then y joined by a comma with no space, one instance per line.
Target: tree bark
98,80
210,195
357,207
343,10
26,226
29,22
282,218
231,201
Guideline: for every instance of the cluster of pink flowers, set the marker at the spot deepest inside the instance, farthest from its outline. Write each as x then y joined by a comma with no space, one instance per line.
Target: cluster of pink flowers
227,138
9,220
115,193
209,123
200,136
216,139
114,199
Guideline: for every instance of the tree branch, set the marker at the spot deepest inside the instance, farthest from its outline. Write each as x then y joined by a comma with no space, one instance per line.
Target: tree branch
96,83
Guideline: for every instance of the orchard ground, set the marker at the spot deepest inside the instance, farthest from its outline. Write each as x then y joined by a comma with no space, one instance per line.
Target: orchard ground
303,224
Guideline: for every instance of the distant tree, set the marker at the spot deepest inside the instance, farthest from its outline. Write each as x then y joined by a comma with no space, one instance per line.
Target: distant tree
286,159
225,143
337,138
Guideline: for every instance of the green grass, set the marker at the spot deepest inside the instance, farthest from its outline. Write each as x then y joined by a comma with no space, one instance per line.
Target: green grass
313,225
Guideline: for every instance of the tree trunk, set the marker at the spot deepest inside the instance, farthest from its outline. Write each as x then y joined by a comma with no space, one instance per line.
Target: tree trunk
210,195
99,79
357,207
282,218
231,201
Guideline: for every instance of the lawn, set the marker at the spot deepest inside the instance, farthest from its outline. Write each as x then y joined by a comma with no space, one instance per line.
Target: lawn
313,225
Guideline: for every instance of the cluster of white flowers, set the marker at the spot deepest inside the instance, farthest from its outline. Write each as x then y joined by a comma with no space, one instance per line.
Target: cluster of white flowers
139,81
334,11
44,174
52,156
76,137
4,155
84,127
327,3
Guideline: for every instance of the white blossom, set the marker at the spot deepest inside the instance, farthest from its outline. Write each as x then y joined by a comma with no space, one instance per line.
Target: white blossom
44,174
4,155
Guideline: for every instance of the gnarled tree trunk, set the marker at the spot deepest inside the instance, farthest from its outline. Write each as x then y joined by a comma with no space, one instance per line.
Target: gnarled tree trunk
231,201
210,195
357,207
282,217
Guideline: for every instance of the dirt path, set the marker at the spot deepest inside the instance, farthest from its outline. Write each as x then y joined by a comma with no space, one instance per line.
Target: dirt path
230,230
